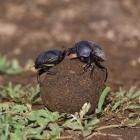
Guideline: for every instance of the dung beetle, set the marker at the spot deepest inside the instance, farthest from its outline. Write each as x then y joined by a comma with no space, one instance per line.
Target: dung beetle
47,60
88,52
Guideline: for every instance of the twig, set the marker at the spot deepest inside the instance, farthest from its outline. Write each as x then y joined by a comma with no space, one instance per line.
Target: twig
103,134
109,126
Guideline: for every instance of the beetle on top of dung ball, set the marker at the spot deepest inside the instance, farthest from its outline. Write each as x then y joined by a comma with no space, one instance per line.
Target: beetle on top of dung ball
46,60
86,51
90,53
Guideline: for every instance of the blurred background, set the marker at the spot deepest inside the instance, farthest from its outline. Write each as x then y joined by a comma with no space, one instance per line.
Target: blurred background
28,27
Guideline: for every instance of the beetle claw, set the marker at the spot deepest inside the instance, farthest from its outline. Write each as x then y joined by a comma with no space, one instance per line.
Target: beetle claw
86,67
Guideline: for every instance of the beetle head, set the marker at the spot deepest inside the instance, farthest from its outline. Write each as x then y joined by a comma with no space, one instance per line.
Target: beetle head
71,52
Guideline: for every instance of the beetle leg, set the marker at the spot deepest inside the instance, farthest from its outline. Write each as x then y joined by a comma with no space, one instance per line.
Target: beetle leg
51,72
86,67
88,64
39,73
92,69
38,78
47,70
102,67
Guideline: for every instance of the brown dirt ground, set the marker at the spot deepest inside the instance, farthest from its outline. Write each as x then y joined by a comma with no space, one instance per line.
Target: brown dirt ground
28,27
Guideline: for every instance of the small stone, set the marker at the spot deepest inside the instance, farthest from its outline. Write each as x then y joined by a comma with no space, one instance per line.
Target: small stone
134,63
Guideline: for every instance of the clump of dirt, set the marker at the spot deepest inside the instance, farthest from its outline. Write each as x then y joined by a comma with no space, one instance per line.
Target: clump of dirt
70,88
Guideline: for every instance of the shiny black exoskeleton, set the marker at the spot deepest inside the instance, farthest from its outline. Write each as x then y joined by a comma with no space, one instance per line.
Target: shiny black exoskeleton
89,52
47,60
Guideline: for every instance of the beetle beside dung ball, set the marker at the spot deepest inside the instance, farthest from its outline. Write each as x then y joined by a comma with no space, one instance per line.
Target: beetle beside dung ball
46,60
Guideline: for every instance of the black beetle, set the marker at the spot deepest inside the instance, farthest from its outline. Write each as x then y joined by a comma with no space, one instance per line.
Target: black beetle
88,52
47,60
